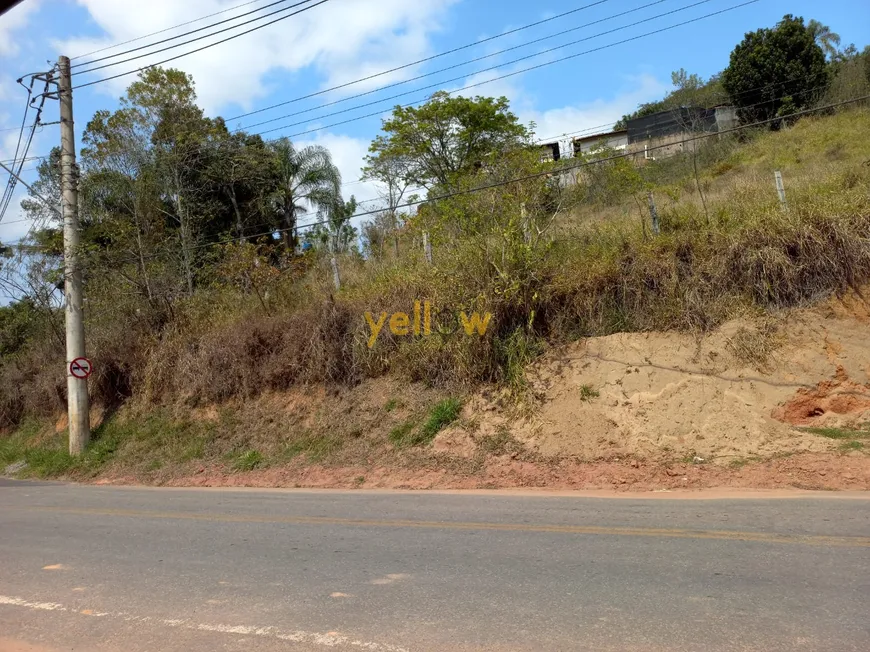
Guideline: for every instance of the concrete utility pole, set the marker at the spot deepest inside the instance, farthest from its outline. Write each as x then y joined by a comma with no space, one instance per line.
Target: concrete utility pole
77,388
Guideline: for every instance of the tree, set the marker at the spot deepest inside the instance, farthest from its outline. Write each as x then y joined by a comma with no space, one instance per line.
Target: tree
850,75
337,232
245,171
774,71
689,90
374,234
446,138
48,187
164,103
826,39
388,170
144,189
307,178
683,81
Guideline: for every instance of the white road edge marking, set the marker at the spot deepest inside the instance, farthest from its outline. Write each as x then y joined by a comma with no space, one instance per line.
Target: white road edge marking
325,640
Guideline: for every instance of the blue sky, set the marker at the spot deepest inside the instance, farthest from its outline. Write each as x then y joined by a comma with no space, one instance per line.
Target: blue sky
344,40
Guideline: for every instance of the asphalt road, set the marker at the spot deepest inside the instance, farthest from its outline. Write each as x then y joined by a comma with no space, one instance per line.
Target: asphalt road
119,569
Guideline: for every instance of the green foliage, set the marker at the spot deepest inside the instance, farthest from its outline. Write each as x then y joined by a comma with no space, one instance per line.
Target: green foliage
689,90
443,414
841,433
850,75
587,392
316,448
402,434
823,36
48,462
338,235
12,449
248,461
154,437
177,323
851,439
515,352
307,176
18,323
776,71
468,132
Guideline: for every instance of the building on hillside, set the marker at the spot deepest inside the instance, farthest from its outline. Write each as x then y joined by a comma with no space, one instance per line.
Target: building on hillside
616,140
662,134
550,152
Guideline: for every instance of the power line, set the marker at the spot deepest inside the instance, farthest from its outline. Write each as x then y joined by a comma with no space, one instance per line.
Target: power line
194,31
505,76
162,31
547,173
723,95
537,175
29,158
205,47
14,176
418,61
10,129
10,183
596,127
480,58
662,127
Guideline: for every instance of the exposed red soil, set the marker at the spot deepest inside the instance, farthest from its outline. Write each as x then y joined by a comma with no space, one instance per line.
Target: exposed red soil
818,471
840,396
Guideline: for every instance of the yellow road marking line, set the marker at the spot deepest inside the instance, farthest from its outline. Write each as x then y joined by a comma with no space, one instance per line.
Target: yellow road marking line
675,533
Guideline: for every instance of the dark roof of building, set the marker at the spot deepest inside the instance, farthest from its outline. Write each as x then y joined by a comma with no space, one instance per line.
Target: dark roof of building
597,137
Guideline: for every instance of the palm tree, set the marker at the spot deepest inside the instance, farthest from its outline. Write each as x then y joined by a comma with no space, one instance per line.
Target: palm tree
827,40
308,179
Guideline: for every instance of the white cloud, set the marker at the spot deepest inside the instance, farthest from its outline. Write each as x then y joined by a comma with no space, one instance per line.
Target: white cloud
600,114
348,154
342,40
15,19
553,123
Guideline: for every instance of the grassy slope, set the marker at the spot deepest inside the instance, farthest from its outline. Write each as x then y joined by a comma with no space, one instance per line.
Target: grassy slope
602,274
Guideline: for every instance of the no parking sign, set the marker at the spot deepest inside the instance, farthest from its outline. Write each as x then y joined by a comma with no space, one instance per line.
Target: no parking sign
80,368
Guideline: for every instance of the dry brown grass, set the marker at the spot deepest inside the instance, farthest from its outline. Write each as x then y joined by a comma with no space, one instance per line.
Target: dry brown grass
601,273
756,345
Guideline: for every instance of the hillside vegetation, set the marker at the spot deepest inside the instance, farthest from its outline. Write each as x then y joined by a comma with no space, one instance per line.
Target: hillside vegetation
595,269
237,316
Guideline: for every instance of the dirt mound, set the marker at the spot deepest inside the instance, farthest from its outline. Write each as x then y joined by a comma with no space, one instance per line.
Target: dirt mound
839,402
653,411
736,393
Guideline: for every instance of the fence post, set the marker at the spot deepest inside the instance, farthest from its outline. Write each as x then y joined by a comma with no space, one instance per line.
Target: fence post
654,214
336,277
524,218
780,188
427,247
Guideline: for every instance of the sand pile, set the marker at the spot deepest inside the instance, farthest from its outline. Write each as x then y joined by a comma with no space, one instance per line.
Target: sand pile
735,393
